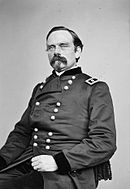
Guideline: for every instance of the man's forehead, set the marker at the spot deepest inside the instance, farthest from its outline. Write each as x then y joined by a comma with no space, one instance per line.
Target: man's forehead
59,36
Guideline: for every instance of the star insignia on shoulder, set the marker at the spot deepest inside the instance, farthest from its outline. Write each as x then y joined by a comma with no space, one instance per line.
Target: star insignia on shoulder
91,81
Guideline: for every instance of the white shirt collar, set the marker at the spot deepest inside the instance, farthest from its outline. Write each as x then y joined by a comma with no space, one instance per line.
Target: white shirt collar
60,73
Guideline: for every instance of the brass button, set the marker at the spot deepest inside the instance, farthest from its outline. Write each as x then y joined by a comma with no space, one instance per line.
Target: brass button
56,110
41,86
35,136
50,134
73,77
66,87
70,82
47,147
35,129
35,144
37,103
58,104
52,117
48,140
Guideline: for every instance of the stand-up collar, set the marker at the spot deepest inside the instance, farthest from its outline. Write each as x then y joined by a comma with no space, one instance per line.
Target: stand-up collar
73,71
53,82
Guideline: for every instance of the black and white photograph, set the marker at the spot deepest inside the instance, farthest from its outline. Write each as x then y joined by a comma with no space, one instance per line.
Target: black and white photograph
64,94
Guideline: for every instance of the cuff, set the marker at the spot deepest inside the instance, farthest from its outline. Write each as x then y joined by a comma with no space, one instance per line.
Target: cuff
62,163
2,163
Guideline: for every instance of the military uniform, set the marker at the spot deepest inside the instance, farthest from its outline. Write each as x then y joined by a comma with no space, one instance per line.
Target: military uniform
71,118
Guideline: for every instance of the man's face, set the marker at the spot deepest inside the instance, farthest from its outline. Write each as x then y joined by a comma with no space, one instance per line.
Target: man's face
61,51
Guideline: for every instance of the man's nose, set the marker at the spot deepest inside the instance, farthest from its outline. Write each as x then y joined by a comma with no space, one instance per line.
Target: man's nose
56,54
57,50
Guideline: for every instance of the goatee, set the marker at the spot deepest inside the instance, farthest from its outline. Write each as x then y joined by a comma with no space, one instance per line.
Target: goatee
56,61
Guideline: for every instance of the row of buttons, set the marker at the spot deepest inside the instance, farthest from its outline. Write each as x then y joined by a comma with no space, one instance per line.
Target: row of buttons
58,104
69,82
48,140
47,147
56,110
66,87
49,133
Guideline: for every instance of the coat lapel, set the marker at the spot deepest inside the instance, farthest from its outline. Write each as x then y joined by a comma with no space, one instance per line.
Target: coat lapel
51,85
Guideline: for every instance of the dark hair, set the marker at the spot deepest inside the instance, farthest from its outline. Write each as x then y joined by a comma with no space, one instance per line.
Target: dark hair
77,42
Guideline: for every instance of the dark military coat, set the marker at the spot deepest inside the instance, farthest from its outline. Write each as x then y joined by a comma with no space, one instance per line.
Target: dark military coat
71,118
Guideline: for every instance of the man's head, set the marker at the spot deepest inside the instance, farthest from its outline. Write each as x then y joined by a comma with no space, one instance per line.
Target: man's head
64,48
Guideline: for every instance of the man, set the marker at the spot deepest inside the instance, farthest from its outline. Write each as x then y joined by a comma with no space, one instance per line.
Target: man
66,136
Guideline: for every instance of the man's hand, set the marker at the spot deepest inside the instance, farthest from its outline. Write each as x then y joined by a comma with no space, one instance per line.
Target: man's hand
44,163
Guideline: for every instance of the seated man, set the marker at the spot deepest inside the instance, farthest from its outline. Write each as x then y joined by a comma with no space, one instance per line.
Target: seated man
66,136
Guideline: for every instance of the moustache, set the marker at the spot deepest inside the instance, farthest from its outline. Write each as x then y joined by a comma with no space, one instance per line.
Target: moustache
58,58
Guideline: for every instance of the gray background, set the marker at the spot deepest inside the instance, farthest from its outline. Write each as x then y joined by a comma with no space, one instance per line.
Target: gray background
103,26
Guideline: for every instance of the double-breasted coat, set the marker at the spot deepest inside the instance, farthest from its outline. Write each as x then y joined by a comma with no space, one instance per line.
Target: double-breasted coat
71,118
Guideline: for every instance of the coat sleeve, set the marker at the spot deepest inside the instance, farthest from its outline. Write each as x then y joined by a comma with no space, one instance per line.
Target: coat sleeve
100,144
18,139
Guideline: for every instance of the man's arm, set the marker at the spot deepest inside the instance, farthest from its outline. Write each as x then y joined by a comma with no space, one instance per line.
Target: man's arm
18,139
100,144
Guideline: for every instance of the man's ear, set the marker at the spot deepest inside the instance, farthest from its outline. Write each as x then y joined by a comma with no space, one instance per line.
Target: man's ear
77,52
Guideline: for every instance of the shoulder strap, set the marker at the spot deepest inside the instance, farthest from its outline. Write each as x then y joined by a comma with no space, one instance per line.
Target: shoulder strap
91,81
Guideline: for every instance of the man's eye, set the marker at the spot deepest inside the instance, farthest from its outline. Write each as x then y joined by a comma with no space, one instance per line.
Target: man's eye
64,45
51,47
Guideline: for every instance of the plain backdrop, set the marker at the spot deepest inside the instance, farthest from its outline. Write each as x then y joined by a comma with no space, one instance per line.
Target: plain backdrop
103,26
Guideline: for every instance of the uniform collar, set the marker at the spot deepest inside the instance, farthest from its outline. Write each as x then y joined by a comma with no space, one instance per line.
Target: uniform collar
53,81
73,71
